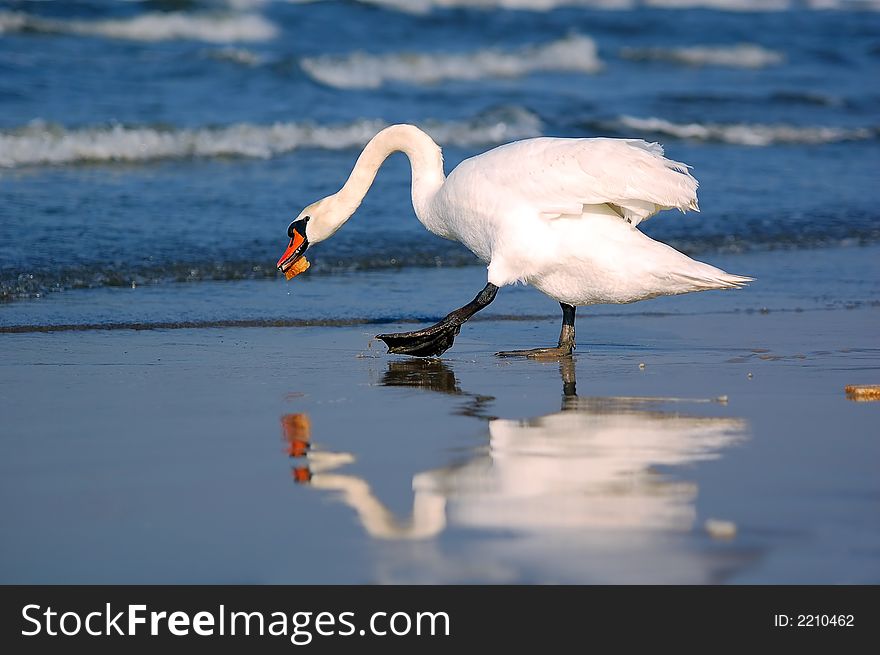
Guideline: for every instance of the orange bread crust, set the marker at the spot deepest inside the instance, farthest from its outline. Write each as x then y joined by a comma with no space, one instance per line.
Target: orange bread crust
298,267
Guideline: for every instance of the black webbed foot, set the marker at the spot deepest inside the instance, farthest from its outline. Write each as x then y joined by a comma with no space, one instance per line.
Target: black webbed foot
430,342
437,339
563,349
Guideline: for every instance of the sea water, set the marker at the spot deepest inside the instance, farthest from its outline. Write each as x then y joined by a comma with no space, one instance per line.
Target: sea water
149,144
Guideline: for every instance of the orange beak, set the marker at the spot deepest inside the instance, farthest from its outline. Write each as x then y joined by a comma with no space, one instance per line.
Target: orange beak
301,475
292,262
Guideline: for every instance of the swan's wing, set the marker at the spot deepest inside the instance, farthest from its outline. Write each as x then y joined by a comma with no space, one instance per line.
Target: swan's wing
559,176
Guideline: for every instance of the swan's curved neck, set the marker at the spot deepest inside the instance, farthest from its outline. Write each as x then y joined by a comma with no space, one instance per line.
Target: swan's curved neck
428,516
425,159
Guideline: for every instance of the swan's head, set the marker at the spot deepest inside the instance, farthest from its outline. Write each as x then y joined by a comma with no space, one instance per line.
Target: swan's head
317,222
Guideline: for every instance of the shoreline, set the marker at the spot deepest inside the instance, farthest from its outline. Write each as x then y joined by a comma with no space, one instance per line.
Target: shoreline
160,455
365,321
844,278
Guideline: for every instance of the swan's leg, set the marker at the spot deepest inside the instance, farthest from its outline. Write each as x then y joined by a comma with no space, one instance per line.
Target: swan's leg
438,338
566,340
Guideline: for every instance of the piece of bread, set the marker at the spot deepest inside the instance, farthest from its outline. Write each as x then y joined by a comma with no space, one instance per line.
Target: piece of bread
298,267
863,391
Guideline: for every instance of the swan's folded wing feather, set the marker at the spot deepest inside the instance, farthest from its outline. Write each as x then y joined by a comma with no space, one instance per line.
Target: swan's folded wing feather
560,176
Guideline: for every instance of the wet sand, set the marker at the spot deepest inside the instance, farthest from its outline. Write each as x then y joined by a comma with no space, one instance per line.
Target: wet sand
307,455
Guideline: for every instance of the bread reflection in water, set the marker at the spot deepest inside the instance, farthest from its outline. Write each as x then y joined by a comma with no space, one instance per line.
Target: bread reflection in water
591,465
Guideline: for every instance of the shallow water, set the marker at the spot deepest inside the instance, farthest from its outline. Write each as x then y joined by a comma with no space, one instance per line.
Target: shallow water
303,455
698,439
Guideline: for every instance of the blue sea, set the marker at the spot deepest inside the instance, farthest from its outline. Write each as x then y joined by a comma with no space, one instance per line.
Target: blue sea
153,143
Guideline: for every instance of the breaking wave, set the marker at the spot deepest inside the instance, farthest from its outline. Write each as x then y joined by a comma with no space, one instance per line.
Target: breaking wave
41,143
746,134
155,26
743,55
361,70
425,6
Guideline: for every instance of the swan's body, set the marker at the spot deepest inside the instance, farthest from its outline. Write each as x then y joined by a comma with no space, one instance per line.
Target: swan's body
558,214
561,215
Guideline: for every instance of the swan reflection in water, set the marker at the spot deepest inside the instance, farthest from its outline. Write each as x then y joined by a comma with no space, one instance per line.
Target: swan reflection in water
575,483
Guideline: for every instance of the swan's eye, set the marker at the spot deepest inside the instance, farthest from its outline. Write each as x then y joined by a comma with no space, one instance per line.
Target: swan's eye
298,225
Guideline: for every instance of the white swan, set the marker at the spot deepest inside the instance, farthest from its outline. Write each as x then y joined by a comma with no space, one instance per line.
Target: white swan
559,214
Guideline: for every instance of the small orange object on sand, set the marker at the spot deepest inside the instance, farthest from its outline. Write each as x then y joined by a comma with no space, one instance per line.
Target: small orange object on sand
863,392
298,267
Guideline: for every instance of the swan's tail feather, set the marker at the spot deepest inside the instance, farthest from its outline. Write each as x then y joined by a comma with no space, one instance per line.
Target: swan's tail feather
737,281
716,279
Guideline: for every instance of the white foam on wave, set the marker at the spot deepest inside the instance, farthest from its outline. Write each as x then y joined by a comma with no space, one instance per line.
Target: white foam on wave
424,6
856,5
768,5
723,5
41,143
155,26
746,134
242,5
359,70
743,55
12,21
